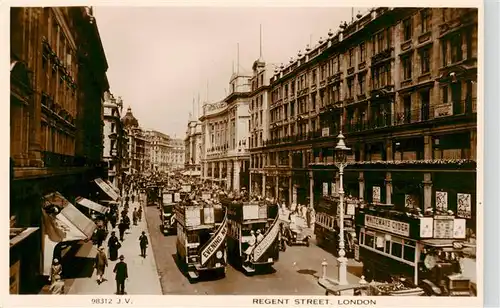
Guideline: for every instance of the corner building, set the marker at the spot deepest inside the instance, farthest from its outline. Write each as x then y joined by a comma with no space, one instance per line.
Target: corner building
225,127
401,83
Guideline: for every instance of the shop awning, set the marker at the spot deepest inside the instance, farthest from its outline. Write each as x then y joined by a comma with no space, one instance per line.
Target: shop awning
107,189
92,205
113,186
63,222
17,235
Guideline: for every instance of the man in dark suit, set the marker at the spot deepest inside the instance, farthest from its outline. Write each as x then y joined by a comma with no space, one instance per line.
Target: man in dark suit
121,275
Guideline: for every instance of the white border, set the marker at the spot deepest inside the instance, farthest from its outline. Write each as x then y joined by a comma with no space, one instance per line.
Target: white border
240,301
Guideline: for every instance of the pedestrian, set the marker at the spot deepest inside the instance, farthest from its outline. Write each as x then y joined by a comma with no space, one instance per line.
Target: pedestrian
57,286
143,243
55,270
139,212
113,219
126,220
127,198
113,245
260,236
122,226
121,274
251,244
133,198
100,236
101,262
134,216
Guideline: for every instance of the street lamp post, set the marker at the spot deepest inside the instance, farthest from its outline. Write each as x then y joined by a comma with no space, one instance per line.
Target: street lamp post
341,151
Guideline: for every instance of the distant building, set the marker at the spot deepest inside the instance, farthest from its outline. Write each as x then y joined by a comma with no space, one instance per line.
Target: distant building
225,136
192,147
113,138
159,144
138,145
176,154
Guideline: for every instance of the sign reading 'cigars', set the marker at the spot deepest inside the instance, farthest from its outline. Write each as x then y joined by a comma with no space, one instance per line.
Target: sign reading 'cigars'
214,243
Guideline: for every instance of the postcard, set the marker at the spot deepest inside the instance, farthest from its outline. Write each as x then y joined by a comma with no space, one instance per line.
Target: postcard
245,154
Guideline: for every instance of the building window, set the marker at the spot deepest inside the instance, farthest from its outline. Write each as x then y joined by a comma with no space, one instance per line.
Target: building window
323,72
362,52
313,77
444,52
456,97
336,94
351,57
425,60
406,67
362,81
444,96
407,109
349,88
425,20
407,29
456,48
425,99
286,91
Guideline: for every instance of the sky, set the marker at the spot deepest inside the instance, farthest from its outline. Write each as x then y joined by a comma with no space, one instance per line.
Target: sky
161,58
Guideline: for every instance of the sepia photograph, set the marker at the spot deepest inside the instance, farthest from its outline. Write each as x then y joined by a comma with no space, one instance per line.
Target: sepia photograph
259,151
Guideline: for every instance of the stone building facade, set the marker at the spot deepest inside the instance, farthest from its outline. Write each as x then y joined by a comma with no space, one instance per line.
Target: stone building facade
58,78
176,154
159,149
225,127
114,140
193,146
401,84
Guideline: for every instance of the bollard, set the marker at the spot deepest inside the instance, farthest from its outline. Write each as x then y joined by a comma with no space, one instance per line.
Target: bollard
324,264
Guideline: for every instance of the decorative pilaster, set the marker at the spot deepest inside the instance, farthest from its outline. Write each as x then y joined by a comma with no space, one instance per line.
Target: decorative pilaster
388,188
311,189
361,180
427,182
263,185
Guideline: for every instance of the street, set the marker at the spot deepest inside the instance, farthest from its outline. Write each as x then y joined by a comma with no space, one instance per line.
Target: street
296,273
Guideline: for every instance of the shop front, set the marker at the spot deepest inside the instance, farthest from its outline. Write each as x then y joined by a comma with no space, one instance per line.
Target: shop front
24,260
63,226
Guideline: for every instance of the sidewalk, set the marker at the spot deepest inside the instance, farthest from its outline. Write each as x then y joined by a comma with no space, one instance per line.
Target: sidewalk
143,276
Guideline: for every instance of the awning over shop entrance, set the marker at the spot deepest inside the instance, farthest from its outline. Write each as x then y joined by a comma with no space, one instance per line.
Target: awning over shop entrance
92,205
113,187
107,189
62,222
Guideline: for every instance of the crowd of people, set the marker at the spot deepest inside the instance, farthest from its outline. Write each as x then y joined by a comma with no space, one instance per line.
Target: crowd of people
113,219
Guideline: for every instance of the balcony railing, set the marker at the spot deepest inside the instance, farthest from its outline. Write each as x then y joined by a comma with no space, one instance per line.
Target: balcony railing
51,160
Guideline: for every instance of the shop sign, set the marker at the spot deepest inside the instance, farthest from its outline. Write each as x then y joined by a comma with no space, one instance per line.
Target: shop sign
334,188
426,227
389,225
325,132
441,201
177,197
464,209
325,189
356,252
459,229
351,208
443,110
376,194
14,278
443,227
167,198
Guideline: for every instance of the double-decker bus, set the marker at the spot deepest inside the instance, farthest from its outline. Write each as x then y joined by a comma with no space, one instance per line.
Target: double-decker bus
327,224
256,216
201,237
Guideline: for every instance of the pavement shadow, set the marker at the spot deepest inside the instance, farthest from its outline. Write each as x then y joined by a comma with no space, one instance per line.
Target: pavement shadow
78,267
308,272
